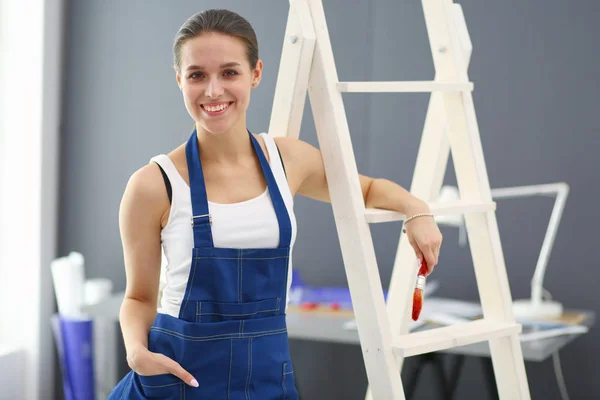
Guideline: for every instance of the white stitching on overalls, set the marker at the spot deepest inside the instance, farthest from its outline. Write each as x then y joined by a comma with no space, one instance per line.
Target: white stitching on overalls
190,293
230,364
249,368
283,380
219,337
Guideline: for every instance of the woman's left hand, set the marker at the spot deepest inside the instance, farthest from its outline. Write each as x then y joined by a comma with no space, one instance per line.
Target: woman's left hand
425,238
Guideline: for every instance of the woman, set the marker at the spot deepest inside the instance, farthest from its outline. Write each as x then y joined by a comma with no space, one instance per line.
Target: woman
221,206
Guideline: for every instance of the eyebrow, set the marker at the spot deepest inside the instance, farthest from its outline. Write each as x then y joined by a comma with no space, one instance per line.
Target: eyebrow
226,65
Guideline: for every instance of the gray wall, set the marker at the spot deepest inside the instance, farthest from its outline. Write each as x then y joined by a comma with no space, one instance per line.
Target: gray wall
534,67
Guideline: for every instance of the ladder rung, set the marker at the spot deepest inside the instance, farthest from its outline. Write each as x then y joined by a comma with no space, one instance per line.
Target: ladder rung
404,87
376,215
462,334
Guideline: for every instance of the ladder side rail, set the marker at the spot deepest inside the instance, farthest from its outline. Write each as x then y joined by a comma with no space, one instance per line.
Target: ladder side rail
427,180
482,229
348,207
463,134
293,73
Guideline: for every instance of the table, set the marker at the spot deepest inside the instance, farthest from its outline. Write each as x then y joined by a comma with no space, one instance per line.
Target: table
328,326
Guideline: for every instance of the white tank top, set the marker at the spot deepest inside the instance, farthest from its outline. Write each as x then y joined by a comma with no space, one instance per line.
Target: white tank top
248,224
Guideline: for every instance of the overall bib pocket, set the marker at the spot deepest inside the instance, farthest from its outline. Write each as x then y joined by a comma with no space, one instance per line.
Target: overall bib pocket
251,275
212,311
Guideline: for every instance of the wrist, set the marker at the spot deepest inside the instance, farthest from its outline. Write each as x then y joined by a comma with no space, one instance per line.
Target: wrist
416,206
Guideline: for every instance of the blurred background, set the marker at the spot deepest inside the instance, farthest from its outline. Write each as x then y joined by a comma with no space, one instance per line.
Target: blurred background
88,95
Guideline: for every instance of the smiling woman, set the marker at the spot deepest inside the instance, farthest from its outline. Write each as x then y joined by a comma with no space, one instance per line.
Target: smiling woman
216,88
216,65
221,207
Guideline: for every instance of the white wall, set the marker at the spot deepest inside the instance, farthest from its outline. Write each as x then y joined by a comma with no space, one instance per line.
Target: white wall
30,55
11,372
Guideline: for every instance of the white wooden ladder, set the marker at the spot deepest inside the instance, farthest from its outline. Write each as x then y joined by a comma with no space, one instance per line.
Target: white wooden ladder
307,65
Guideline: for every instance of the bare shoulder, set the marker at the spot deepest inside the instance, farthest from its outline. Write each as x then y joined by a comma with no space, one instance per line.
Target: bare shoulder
146,184
145,194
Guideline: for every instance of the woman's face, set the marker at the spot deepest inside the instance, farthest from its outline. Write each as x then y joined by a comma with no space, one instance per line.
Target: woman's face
216,80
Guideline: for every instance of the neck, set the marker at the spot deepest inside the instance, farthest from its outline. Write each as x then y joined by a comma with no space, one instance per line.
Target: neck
227,147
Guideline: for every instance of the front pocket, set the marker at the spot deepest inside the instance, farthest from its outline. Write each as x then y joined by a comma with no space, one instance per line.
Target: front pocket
288,384
164,386
211,311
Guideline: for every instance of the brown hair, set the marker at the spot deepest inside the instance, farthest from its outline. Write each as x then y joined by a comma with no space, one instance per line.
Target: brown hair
221,21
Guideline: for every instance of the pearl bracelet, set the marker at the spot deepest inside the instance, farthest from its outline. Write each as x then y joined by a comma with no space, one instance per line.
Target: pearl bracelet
416,216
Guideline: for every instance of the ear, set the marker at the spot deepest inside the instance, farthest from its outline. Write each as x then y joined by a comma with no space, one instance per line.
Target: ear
257,73
177,77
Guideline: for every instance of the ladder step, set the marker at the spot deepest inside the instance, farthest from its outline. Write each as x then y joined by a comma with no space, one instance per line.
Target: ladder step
376,215
462,334
404,87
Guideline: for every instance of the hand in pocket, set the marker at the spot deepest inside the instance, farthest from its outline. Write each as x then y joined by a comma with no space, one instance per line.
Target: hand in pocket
146,363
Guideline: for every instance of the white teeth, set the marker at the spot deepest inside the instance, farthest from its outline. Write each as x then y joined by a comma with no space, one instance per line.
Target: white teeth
220,107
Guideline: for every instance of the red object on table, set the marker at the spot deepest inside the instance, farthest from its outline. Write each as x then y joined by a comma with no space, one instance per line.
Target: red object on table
309,305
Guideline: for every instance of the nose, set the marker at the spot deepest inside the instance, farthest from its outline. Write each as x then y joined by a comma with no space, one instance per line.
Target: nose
214,89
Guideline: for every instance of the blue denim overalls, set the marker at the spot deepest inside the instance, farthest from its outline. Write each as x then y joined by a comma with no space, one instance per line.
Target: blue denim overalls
231,332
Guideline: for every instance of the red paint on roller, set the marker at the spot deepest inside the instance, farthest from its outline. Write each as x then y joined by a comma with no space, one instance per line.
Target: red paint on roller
418,295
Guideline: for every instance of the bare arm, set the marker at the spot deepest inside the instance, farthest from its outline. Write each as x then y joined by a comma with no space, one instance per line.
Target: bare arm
139,222
422,233
309,180
144,205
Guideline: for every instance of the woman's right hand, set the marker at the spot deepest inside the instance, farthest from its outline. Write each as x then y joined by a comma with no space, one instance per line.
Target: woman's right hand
146,363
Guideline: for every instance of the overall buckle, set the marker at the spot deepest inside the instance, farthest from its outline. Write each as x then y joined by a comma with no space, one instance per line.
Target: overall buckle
202,216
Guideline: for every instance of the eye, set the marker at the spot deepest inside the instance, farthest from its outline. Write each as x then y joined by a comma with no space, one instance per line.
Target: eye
230,72
195,75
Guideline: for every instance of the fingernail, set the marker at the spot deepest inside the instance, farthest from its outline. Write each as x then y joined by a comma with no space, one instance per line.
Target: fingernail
194,383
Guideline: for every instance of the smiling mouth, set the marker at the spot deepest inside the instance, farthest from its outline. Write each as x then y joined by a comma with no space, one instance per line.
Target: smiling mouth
213,109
